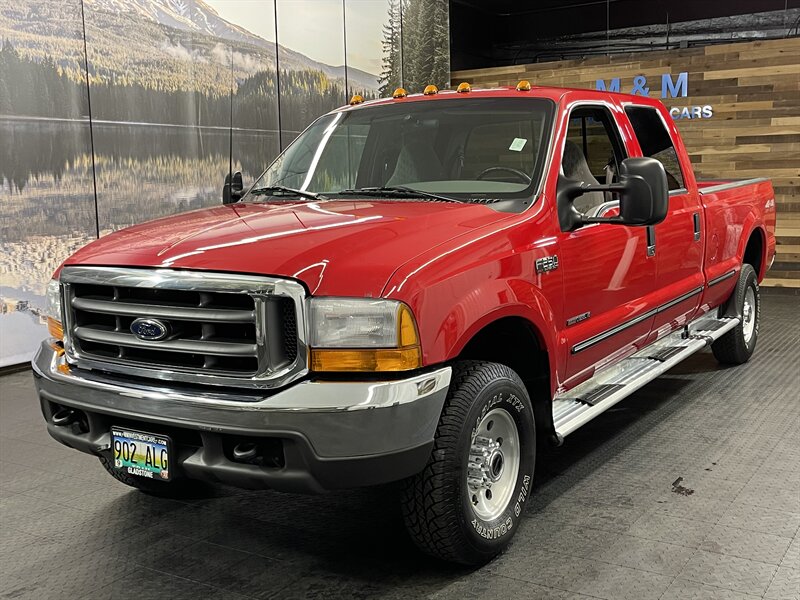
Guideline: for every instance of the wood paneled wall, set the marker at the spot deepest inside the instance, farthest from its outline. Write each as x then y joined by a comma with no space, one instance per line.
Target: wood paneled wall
754,89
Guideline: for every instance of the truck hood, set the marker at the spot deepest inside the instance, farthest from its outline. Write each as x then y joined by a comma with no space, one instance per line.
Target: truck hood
336,247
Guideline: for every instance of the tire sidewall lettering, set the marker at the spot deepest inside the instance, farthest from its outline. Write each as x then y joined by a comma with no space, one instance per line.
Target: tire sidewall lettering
501,397
491,531
757,316
504,525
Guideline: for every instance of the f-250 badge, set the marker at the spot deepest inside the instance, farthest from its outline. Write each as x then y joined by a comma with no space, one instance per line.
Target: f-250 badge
548,263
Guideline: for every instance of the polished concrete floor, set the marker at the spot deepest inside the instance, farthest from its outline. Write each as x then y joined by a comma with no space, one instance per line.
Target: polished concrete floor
689,489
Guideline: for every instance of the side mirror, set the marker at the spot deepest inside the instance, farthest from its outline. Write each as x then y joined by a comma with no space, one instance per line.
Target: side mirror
232,190
643,196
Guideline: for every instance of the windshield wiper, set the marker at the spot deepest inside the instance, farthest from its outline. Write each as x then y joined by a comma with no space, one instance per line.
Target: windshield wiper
280,190
396,190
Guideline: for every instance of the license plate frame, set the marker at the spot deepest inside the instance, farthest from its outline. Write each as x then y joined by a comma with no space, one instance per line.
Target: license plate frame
134,461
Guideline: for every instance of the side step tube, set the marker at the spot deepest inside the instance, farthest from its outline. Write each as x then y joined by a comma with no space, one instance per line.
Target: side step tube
583,403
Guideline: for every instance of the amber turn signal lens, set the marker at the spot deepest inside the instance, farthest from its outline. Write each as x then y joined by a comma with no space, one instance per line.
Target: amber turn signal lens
356,99
391,359
406,328
524,86
463,88
430,90
399,93
55,328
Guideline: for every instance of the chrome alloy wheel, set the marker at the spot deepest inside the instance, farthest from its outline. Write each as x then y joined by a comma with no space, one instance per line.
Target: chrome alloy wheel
493,467
749,315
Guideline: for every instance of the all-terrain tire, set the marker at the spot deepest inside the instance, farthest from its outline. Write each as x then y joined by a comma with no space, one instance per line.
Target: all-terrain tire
439,504
736,346
177,488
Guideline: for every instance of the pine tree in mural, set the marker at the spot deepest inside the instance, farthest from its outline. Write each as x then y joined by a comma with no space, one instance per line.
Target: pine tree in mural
416,45
440,61
391,75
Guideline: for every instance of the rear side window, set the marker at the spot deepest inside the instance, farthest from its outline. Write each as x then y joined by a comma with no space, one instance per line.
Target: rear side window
655,141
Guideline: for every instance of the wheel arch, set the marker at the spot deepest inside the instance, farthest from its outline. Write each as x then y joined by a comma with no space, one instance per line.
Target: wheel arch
518,343
754,251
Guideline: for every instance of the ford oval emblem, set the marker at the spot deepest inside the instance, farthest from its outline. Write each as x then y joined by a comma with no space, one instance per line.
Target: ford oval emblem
151,330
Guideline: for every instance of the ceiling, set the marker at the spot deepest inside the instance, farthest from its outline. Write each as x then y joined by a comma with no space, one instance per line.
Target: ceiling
480,29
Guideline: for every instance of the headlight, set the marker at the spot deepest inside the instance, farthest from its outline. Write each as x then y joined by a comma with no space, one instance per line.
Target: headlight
361,334
53,309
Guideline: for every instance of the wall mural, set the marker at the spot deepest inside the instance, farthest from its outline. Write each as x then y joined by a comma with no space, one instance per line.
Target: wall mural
48,207
116,112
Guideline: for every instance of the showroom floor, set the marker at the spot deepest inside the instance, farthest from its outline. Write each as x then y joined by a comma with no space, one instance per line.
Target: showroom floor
689,489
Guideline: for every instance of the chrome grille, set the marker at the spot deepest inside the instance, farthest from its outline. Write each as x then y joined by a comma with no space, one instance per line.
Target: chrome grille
221,329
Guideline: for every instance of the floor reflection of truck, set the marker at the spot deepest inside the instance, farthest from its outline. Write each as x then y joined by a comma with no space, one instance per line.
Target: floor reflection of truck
10,305
417,289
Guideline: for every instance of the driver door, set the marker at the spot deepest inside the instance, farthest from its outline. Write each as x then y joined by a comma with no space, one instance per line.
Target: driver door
608,272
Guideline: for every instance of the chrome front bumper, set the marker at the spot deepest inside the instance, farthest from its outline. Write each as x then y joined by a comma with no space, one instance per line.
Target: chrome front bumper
334,434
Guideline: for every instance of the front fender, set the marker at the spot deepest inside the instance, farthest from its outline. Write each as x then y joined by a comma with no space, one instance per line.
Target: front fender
456,293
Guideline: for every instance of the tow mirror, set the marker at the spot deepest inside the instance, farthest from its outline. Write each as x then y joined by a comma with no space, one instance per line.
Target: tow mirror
232,190
643,196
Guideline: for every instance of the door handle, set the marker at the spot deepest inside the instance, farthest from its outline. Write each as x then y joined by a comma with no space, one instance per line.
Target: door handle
696,219
651,240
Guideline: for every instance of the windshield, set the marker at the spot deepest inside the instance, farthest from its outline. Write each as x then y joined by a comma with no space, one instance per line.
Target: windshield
475,150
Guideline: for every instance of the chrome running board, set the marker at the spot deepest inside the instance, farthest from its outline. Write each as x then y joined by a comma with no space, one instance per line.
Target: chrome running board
583,403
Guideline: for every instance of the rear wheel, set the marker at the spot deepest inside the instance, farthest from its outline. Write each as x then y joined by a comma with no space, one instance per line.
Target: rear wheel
177,488
737,346
465,506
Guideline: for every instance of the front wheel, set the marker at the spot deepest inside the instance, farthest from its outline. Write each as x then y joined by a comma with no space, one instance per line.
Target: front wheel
737,345
466,505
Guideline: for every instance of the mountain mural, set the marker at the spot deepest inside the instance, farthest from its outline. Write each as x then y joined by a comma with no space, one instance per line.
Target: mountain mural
154,42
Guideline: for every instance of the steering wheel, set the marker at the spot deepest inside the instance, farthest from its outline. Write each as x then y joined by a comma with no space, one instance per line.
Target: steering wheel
522,175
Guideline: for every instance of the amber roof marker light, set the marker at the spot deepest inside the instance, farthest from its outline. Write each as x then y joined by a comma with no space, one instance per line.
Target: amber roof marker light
356,99
463,88
399,93
430,90
524,86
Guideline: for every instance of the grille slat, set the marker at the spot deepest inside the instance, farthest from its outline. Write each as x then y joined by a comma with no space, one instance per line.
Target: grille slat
218,315
221,329
196,347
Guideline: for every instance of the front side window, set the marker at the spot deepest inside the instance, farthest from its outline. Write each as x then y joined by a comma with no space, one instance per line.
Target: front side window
655,142
592,154
469,149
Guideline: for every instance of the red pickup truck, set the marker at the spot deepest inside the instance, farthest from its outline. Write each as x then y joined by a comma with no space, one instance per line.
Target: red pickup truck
417,289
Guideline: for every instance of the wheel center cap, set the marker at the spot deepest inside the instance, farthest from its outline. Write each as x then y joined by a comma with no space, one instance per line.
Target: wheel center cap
496,465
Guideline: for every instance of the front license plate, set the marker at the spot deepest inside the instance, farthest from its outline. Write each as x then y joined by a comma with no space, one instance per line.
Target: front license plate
141,454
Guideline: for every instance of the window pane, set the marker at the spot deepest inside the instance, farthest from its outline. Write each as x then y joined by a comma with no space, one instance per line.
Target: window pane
592,154
509,145
656,142
465,147
598,150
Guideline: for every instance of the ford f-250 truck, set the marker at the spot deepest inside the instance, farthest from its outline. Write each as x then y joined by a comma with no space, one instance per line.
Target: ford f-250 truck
417,289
